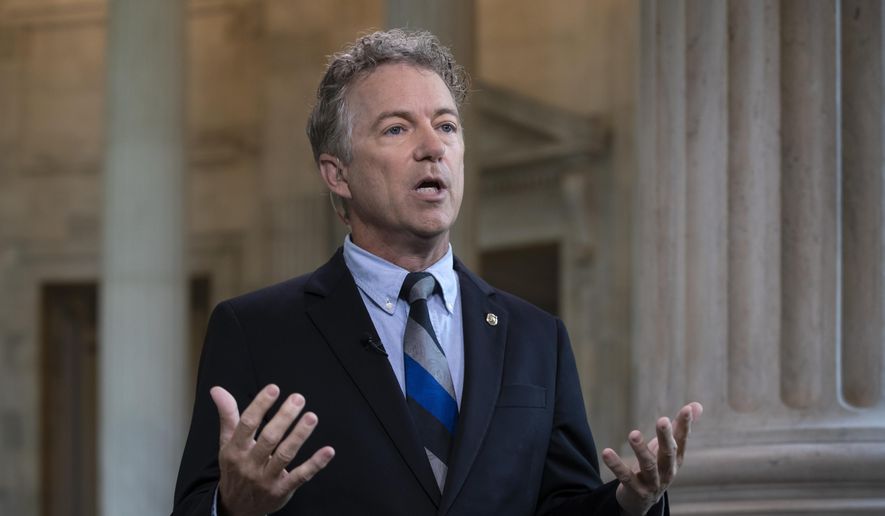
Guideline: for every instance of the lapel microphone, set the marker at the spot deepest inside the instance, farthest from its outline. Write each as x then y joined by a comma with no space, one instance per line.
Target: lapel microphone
372,344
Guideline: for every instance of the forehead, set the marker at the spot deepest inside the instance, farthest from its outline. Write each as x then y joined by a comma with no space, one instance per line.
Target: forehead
399,87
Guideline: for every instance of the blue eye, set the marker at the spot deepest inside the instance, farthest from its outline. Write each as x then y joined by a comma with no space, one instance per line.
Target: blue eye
395,130
448,127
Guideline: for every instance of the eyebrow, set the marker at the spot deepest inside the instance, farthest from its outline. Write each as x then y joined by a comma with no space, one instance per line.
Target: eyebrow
408,115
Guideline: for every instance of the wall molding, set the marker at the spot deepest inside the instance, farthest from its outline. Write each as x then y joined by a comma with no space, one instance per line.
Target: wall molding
30,14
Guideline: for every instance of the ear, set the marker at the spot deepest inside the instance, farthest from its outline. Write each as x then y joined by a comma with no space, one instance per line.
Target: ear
334,174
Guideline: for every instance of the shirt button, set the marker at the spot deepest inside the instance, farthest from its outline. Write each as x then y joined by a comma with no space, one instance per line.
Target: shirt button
388,305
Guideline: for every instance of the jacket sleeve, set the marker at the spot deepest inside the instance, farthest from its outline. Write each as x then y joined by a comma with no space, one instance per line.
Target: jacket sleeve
571,483
225,361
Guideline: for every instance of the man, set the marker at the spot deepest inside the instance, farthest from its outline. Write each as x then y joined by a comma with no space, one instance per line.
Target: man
438,393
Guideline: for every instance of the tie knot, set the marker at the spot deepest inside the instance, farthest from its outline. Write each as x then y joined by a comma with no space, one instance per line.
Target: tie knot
417,285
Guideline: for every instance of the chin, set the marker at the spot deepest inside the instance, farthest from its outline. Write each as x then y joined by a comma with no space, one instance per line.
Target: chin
432,231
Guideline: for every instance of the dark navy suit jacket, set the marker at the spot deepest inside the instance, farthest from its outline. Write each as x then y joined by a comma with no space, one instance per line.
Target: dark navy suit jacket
522,444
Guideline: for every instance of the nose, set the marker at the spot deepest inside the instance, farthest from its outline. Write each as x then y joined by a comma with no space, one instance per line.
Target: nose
430,145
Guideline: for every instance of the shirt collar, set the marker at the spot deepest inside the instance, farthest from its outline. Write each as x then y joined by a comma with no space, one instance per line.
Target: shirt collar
381,280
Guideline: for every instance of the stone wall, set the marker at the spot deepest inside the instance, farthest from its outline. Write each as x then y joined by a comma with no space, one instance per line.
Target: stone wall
255,212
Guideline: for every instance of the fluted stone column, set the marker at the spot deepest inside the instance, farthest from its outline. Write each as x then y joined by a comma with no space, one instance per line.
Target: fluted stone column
760,251
452,21
863,149
143,351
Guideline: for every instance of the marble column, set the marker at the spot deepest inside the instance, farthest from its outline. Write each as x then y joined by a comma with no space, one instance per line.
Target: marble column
759,251
143,351
452,21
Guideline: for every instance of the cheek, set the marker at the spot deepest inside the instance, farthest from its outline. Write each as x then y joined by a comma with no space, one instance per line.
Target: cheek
368,178
458,182
458,197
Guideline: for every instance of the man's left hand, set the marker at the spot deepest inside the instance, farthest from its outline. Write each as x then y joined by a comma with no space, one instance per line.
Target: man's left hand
658,461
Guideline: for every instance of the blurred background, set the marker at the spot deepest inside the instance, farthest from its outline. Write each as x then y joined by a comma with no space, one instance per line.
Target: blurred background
694,186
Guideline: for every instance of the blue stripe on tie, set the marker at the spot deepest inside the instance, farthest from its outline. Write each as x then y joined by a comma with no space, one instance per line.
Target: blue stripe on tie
422,387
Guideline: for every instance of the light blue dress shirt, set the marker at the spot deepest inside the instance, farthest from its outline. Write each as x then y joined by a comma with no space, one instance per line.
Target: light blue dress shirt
379,283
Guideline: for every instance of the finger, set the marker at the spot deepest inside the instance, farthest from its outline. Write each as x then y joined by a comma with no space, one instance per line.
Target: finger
251,417
273,431
653,446
622,472
683,428
303,473
696,410
648,466
286,451
228,413
666,454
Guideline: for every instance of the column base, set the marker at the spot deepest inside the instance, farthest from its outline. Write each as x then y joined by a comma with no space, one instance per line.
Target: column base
821,479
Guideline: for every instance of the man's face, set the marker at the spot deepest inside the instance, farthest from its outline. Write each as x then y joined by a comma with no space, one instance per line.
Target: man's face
406,179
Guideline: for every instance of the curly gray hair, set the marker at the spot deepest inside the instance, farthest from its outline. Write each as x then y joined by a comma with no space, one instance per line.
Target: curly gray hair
329,124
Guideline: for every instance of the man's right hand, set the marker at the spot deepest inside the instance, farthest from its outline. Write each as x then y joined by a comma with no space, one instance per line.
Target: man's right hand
254,479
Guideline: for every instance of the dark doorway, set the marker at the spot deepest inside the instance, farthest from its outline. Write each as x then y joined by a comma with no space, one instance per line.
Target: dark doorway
69,379
530,272
69,374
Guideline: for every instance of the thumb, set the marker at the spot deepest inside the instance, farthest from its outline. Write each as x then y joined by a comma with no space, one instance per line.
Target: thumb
228,413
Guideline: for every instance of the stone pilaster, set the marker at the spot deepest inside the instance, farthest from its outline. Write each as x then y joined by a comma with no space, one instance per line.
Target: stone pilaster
143,351
297,228
452,21
760,251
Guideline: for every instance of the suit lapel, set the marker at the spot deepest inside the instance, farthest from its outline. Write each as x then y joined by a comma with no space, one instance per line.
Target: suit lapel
484,363
341,317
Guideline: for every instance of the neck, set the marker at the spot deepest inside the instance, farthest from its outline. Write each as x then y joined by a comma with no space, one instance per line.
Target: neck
412,256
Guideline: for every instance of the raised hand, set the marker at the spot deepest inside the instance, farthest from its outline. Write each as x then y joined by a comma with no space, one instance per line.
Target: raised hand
658,461
254,479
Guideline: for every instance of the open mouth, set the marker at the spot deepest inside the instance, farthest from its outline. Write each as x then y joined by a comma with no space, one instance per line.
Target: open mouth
429,186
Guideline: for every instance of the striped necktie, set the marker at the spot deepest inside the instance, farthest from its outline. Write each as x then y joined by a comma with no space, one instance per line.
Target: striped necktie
430,393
